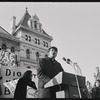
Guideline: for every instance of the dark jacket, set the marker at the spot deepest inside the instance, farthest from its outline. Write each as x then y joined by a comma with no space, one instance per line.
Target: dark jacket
46,70
21,88
96,92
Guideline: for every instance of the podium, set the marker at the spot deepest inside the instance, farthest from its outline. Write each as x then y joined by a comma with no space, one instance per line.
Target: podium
65,85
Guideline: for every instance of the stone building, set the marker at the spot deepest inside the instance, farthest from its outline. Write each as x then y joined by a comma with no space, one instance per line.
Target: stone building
34,41
26,42
9,55
8,45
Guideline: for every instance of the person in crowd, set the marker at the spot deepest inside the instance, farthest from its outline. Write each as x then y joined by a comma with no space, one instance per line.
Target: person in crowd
89,89
21,87
97,73
95,79
96,90
47,69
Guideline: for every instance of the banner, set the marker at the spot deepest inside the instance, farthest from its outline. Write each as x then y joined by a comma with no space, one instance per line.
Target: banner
10,75
11,85
8,58
31,93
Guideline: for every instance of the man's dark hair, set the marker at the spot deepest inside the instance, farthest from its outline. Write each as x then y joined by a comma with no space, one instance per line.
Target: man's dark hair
53,47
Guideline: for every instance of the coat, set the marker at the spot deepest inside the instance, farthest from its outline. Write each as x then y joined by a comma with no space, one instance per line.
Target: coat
20,91
96,92
21,88
46,70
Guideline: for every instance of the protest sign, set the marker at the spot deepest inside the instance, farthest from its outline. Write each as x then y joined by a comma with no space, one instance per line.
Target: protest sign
11,85
10,76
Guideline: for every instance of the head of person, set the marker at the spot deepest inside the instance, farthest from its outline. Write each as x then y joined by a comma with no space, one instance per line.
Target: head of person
88,84
27,75
95,76
97,69
98,83
52,52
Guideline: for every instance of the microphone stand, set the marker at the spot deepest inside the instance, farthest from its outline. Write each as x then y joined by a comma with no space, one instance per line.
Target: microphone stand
89,96
76,80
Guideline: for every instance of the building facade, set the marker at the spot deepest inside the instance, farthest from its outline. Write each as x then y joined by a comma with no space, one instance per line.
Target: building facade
34,41
9,56
21,48
9,48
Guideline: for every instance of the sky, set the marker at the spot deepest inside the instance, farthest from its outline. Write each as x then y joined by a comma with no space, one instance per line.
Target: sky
74,26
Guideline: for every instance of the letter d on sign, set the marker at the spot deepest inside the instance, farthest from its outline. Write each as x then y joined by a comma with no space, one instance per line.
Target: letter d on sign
8,72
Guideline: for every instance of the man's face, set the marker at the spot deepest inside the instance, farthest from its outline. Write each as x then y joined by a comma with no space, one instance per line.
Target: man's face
52,53
97,69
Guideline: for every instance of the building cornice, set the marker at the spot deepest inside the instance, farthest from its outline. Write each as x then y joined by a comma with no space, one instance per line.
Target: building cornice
35,46
28,60
9,37
32,30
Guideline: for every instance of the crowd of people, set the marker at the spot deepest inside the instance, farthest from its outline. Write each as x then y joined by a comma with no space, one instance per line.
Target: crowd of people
94,90
21,87
47,69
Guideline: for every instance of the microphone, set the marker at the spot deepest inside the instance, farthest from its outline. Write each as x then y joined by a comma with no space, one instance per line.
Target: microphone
64,58
68,60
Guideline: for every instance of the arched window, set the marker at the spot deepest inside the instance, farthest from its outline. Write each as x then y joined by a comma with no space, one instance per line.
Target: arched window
46,44
37,55
35,24
40,28
12,49
31,24
4,47
38,42
28,53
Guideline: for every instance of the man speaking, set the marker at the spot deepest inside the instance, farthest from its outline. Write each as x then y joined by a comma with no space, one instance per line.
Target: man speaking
47,69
